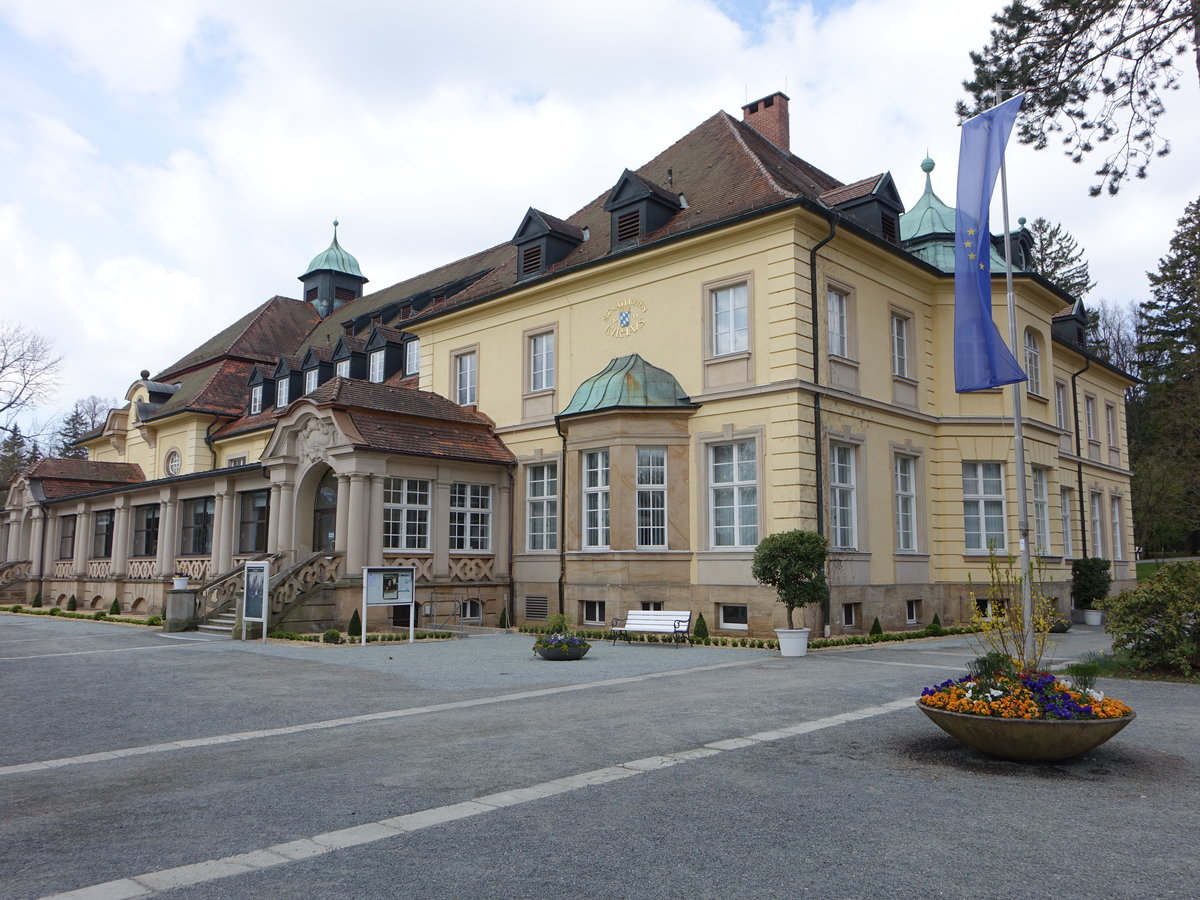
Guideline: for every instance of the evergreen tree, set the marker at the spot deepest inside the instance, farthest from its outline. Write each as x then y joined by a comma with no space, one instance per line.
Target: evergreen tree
1171,320
73,427
14,455
1094,75
1058,257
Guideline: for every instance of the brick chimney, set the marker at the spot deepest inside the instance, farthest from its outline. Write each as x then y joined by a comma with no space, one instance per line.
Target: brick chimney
769,117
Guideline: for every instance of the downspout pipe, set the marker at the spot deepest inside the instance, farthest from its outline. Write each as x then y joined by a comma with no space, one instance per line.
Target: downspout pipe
1083,512
209,441
562,523
818,454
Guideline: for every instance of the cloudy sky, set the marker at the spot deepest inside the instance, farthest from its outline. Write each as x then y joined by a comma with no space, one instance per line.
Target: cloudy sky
167,166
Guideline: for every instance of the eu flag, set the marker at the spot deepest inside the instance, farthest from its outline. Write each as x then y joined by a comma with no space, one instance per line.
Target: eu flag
981,358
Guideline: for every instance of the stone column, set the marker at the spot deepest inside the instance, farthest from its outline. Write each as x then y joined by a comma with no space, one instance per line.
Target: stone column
273,521
221,558
120,546
356,540
501,530
14,536
83,539
168,538
439,530
287,517
375,523
341,528
36,543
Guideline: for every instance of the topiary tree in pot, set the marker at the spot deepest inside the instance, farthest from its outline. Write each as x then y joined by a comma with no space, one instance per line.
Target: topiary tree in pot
793,562
1090,581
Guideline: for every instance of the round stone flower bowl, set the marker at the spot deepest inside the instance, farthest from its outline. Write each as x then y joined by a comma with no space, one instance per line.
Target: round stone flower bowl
562,654
1026,740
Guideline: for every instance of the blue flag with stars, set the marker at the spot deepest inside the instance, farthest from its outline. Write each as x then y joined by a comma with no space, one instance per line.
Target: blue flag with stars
981,358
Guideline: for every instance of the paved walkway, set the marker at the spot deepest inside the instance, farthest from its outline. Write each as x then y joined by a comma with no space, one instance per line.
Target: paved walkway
136,764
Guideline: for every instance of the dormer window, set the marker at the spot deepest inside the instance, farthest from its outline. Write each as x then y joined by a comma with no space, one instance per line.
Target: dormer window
412,357
629,226
531,260
542,240
310,380
256,399
281,393
375,366
343,368
638,207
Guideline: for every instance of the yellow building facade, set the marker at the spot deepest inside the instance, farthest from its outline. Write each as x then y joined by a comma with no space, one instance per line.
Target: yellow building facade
607,413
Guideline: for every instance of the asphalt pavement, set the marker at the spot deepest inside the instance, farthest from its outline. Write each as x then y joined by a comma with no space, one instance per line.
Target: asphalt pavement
135,764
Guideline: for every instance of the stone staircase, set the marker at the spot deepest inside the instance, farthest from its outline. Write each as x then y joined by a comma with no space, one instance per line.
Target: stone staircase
220,623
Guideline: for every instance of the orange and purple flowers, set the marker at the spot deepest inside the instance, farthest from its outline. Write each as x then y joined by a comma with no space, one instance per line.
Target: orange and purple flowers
1037,695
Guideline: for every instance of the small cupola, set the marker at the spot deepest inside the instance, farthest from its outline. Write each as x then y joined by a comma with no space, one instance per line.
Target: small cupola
332,279
638,207
541,241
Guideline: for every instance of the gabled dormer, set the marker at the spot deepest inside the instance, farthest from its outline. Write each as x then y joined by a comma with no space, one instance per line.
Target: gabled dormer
332,279
874,203
317,368
289,382
1021,241
385,352
1070,325
262,391
542,240
638,207
349,358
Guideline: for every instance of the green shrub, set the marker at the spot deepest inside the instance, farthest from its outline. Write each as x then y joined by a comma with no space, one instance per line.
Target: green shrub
16,607
1084,674
154,620
98,614
114,608
54,610
876,628
37,600
72,605
701,628
354,629
935,628
332,636
502,622
1090,581
1158,622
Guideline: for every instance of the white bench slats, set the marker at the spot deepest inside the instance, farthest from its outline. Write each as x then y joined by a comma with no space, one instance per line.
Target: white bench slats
654,621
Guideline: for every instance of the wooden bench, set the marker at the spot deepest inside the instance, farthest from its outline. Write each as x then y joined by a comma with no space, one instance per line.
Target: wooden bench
677,623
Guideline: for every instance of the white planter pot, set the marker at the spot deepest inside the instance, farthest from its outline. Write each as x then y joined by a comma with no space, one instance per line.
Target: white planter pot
1092,616
793,641
179,583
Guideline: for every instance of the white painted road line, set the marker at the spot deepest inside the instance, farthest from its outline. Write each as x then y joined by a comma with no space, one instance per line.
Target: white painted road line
191,743
86,652
397,826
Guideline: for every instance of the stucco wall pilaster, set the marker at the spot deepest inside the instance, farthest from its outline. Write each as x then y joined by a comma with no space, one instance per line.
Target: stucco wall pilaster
168,539
83,539
375,523
37,542
359,510
342,528
440,536
120,545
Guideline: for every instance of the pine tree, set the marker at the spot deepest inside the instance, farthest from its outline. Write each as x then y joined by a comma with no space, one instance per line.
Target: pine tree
14,455
74,426
1058,257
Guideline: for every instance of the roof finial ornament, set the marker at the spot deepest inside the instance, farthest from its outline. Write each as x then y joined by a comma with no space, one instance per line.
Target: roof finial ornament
927,165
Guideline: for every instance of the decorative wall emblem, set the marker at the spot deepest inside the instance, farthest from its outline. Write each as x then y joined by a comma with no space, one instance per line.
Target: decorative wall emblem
315,439
624,318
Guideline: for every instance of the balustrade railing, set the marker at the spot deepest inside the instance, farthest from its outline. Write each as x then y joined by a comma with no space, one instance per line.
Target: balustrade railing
195,568
292,586
472,568
223,591
64,568
142,569
16,570
99,568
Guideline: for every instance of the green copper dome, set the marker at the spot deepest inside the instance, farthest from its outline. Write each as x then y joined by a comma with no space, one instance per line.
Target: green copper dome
628,381
334,259
929,215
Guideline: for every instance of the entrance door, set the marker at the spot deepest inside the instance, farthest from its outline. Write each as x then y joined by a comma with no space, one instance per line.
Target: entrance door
325,515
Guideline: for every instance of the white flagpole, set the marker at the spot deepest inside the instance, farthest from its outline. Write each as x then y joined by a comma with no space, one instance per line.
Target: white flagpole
1018,436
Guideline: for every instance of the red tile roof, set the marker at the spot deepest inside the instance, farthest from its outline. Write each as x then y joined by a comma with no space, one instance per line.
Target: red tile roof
61,478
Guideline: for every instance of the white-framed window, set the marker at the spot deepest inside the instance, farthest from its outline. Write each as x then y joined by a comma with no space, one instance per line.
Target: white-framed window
900,329
1041,511
406,514
734,616
1114,507
195,533
1089,409
837,304
593,612
102,533
1067,498
1097,509
1061,416
1110,423
850,615
466,373
472,610
173,464
912,612
541,361
145,529
470,517
652,496
730,320
904,473
256,399
733,494
310,380
652,605
235,461
375,366
983,507
843,532
595,500
281,392
1033,362
541,503
412,357
342,368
